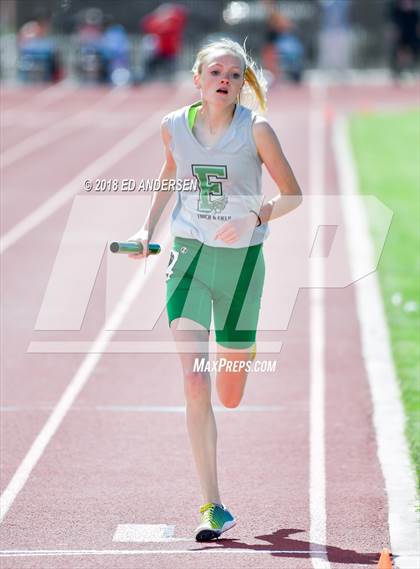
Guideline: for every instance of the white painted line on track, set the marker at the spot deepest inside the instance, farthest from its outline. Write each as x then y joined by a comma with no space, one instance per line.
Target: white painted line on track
217,548
58,130
28,119
79,380
181,408
317,483
101,120
146,533
388,412
145,408
42,99
130,347
112,156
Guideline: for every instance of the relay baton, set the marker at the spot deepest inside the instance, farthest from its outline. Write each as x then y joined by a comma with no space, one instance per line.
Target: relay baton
133,247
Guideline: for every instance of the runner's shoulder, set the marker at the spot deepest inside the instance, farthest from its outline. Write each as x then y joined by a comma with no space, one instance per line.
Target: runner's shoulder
169,119
261,128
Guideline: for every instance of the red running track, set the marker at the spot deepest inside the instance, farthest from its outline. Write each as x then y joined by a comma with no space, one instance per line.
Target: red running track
121,454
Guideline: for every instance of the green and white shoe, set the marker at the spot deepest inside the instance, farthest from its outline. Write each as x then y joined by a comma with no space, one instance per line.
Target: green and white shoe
215,520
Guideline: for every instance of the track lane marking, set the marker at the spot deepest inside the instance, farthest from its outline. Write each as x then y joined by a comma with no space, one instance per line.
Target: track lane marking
79,380
135,347
137,136
146,533
42,99
112,156
317,482
58,130
213,550
388,412
146,408
137,283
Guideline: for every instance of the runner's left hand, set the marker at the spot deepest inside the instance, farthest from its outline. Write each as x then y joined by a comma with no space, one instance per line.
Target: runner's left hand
232,231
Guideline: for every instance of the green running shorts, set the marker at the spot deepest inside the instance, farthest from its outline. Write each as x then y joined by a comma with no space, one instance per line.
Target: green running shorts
228,282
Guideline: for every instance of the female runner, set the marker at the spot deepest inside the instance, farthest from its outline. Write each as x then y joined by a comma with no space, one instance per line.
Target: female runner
216,266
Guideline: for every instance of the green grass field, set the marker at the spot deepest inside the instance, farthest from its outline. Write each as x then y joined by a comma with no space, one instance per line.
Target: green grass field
387,153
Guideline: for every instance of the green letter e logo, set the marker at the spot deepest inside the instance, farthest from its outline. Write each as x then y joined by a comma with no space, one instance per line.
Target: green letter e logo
209,188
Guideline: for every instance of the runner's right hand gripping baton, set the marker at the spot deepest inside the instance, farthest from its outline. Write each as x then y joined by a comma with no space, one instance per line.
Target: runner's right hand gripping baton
133,247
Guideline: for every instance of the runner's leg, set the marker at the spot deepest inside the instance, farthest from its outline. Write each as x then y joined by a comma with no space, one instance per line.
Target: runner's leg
201,422
232,375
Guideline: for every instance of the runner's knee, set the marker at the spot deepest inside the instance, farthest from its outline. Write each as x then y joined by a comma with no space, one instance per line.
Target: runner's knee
230,389
196,387
230,402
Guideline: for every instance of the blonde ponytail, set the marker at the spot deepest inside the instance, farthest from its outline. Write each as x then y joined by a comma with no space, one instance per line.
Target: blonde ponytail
253,92
257,89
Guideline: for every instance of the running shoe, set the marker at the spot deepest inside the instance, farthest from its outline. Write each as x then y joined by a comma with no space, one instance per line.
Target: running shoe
215,520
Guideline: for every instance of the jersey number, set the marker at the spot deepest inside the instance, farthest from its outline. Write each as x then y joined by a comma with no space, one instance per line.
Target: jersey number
211,198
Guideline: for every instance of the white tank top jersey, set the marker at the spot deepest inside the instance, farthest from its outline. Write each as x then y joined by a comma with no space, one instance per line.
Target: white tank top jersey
227,179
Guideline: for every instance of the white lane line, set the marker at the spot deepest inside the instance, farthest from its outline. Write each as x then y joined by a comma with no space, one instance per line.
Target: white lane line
79,380
42,99
144,408
317,483
130,347
58,130
217,548
112,156
28,119
146,533
388,412
117,120
181,408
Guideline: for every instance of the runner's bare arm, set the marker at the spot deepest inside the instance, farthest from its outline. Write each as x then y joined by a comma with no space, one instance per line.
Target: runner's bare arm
271,154
160,199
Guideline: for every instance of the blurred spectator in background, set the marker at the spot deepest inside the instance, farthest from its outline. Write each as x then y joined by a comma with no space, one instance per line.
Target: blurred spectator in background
115,51
335,35
90,25
276,24
164,28
39,58
405,35
90,64
103,52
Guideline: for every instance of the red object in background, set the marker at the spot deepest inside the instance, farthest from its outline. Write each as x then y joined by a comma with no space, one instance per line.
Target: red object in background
167,22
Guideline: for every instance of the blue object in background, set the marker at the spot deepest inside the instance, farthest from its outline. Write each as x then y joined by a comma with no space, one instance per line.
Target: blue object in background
37,60
291,53
115,49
